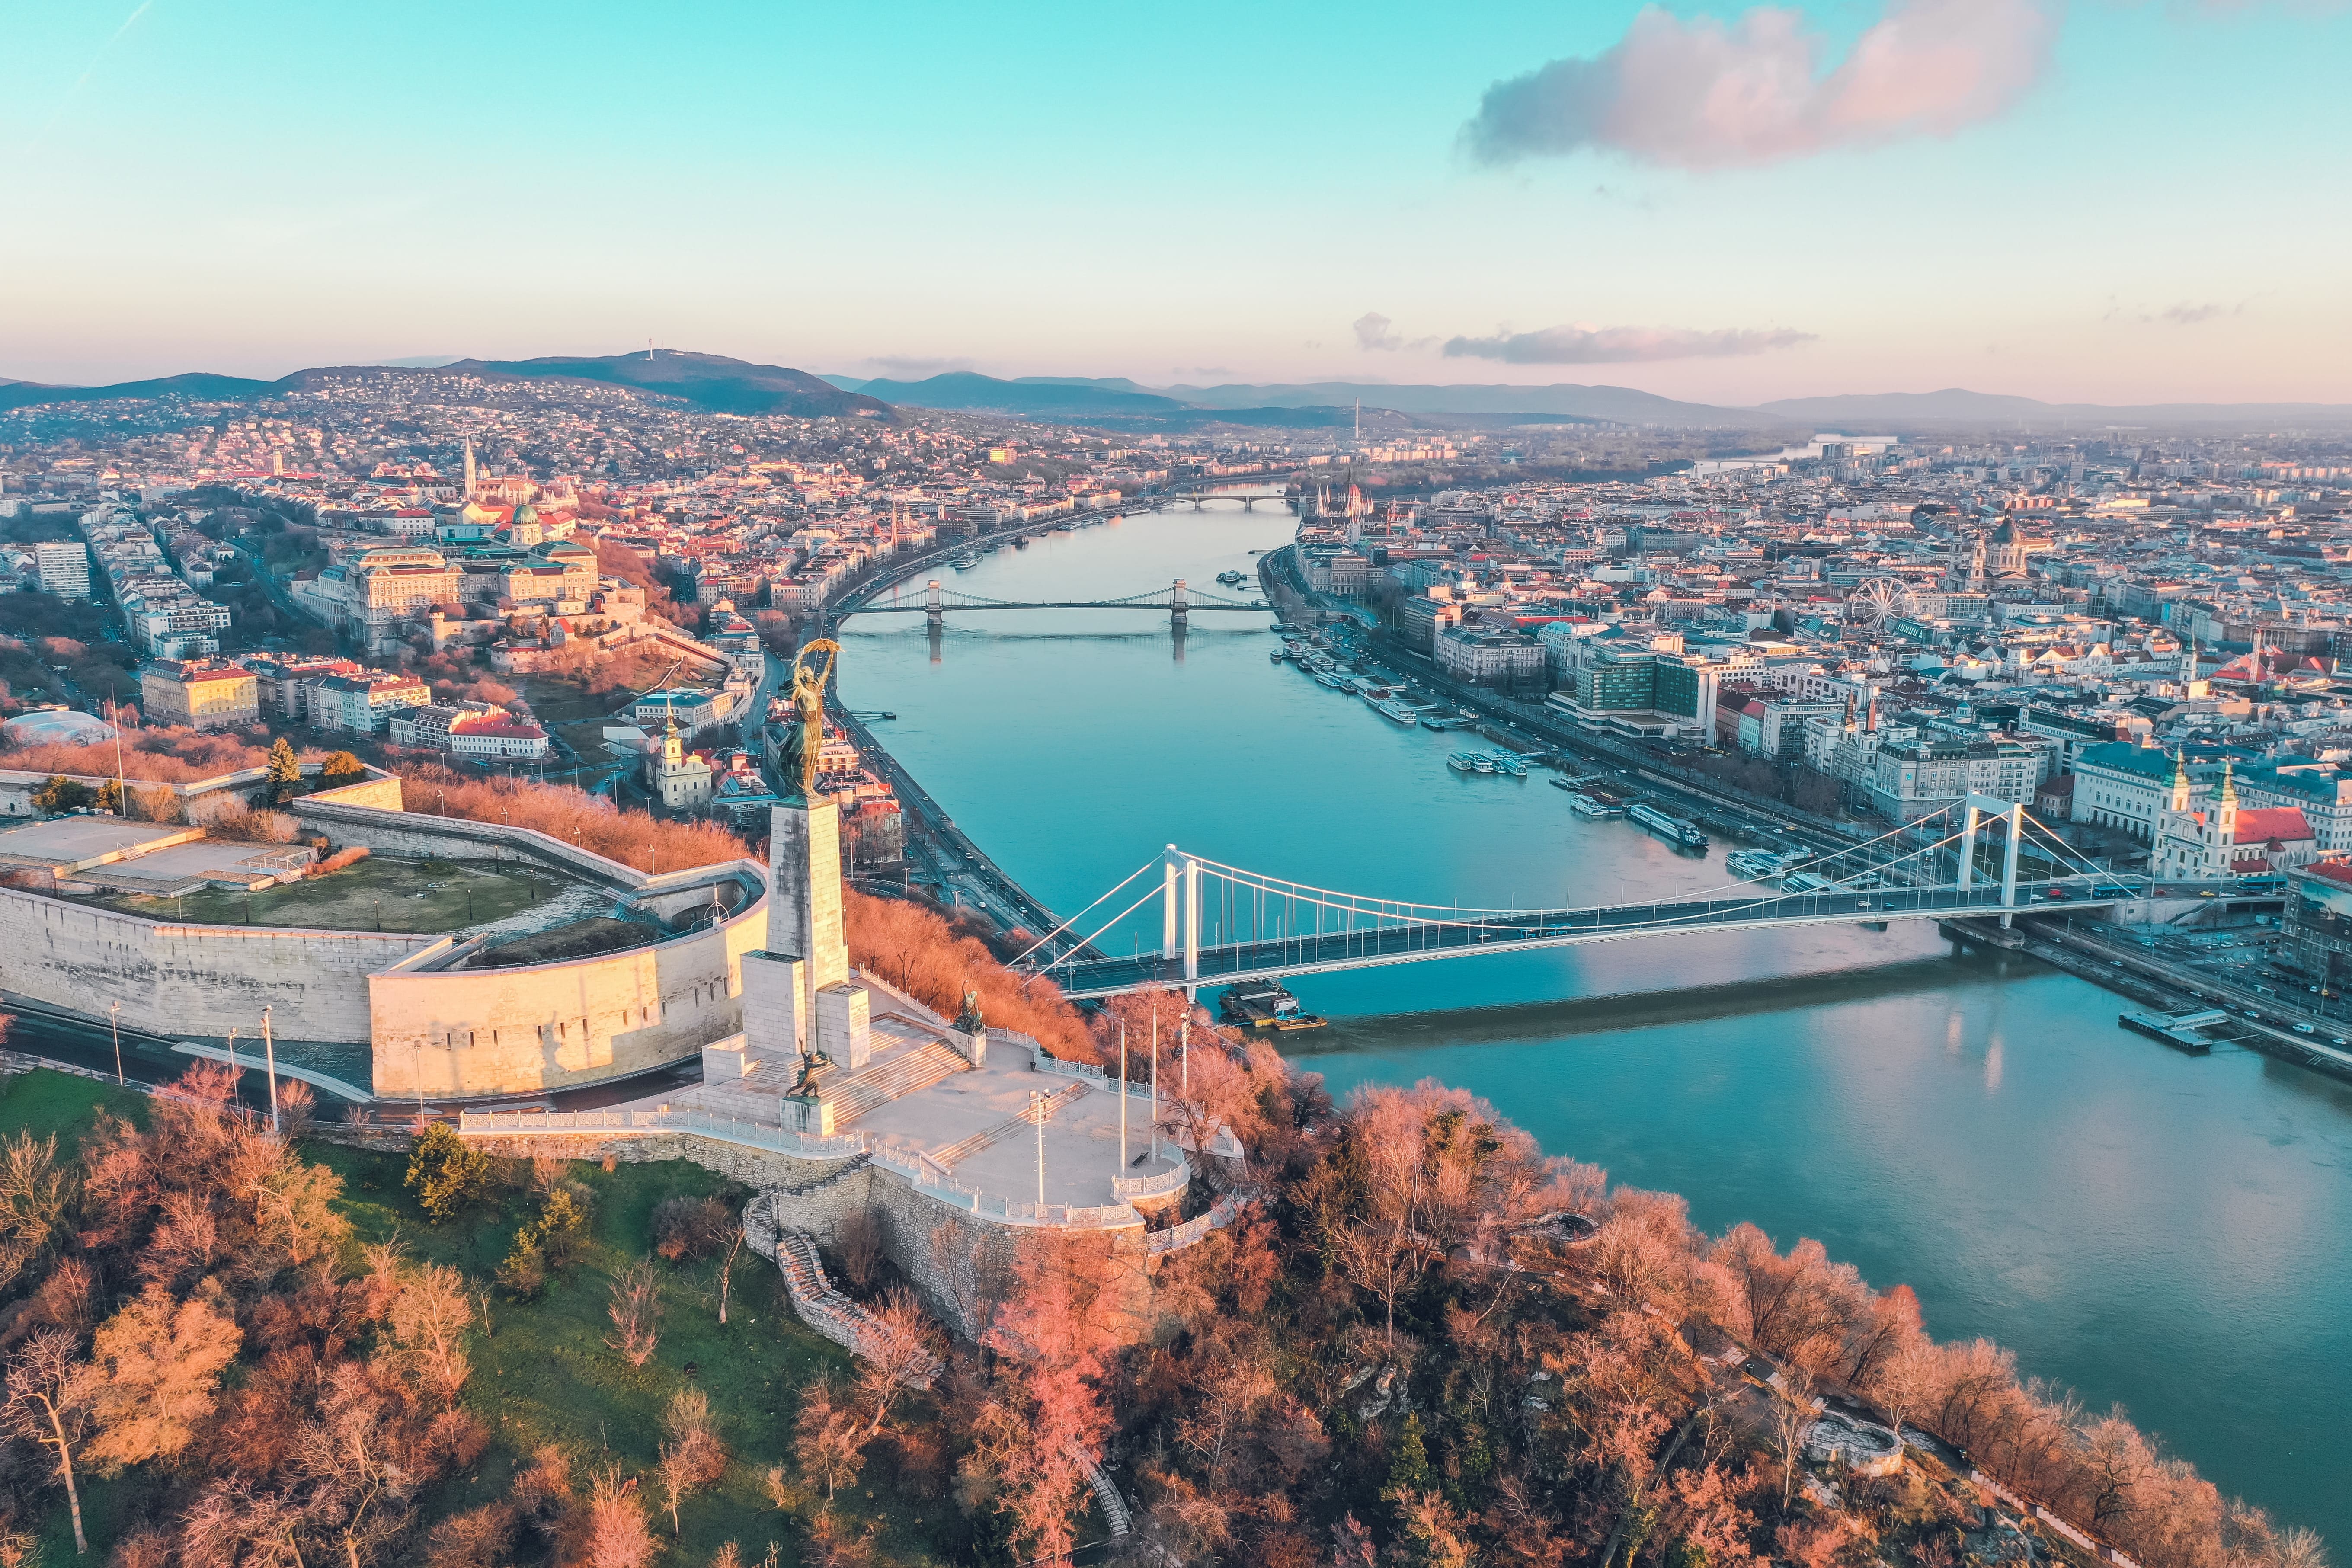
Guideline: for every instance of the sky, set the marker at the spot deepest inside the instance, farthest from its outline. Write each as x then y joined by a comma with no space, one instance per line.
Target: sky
2101,201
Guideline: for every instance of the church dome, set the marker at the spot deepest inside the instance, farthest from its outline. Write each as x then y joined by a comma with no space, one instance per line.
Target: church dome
2007,532
525,514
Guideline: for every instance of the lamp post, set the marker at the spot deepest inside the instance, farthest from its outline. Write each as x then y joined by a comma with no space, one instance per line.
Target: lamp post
114,1022
1122,1097
1037,1115
270,1058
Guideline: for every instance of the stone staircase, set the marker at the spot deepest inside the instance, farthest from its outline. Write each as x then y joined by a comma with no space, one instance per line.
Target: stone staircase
965,1148
920,1067
820,1306
852,1328
1106,1498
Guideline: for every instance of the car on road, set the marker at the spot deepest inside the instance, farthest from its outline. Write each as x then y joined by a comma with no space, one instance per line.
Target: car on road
2305,1029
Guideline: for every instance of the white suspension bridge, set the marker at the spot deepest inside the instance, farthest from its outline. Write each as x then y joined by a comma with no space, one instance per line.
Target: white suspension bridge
1220,922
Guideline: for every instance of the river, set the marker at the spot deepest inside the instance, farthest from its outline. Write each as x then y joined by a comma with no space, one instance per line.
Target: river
2168,1233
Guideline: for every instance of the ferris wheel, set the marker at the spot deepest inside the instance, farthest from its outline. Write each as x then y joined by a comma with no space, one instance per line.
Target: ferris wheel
1879,600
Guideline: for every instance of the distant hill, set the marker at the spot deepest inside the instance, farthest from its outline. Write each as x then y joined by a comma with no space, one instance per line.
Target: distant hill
1051,399
1619,405
706,381
199,385
713,381
1957,405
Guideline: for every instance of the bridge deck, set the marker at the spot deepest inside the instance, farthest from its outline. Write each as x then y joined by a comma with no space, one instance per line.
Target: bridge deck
1407,942
917,606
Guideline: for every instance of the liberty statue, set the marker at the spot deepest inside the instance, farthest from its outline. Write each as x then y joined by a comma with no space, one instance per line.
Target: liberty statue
806,735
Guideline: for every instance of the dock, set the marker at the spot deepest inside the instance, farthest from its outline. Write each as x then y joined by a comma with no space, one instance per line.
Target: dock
2178,1030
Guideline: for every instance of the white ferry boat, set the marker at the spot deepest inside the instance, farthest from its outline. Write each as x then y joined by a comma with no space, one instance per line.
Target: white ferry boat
1673,829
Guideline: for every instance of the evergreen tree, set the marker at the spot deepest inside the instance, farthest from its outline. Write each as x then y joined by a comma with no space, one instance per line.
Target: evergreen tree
285,773
445,1171
1409,1466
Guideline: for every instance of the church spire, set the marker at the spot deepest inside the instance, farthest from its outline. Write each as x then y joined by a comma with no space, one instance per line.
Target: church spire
2180,781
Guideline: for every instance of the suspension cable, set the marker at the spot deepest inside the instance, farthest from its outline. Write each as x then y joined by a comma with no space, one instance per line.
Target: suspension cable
1075,919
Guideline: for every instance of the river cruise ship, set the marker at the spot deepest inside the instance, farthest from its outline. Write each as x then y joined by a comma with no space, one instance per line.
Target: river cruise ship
1673,829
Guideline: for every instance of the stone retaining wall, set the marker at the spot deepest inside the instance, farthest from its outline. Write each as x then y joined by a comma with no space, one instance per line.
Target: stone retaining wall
175,979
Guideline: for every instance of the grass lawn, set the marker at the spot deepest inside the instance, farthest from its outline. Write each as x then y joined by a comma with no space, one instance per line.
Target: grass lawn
544,1374
382,892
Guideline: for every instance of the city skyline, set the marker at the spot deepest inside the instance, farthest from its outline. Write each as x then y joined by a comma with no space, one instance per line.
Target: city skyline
1721,205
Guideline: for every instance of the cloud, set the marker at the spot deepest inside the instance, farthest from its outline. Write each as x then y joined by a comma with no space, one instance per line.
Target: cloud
2190,315
1704,93
1372,332
1620,345
2240,7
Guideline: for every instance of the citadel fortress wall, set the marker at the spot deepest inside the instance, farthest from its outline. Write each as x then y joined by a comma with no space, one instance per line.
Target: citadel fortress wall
434,1027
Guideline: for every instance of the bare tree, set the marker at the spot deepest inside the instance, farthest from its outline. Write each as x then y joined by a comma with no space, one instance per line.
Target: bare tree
33,1195
49,1396
692,1457
859,1241
727,1274
830,1438
352,1457
429,1319
636,1310
155,1367
898,1351
608,1530
1792,1417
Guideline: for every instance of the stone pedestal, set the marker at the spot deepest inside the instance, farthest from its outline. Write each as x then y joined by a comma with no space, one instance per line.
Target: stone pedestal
728,1060
776,1005
842,1030
808,1113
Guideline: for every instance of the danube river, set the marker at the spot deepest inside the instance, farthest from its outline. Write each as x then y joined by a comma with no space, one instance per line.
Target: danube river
2167,1233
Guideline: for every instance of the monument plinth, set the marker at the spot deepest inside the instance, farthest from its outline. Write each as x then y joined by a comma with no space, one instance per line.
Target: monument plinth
798,996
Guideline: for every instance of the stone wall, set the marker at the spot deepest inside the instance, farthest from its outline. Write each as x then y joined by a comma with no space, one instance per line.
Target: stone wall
958,1263
201,800
470,1033
177,980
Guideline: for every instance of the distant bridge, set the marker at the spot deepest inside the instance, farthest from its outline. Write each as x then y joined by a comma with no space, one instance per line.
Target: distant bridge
1176,602
1198,500
1266,928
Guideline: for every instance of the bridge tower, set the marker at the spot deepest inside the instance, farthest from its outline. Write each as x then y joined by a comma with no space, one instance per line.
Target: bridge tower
1176,612
1980,810
1180,913
934,614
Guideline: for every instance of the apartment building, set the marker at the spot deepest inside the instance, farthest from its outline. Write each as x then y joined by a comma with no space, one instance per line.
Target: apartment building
198,694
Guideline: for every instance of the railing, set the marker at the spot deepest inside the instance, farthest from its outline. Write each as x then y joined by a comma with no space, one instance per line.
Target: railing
1192,1232
908,1163
721,1128
1159,1186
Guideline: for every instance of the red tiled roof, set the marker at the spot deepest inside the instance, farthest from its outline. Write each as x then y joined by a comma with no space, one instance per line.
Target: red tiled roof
2283,824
